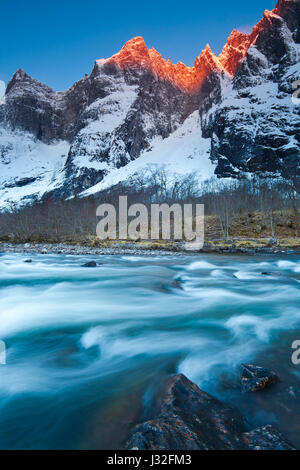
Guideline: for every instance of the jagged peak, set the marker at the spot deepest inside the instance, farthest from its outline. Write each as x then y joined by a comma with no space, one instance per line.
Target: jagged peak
19,75
207,52
21,79
234,51
135,46
135,54
238,43
137,41
207,60
270,14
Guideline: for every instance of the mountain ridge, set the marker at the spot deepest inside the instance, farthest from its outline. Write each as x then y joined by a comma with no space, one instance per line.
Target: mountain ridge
134,102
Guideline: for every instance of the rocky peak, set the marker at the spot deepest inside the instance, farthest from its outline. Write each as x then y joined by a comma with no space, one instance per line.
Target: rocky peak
19,77
286,12
115,115
234,51
134,53
274,34
207,63
22,81
247,134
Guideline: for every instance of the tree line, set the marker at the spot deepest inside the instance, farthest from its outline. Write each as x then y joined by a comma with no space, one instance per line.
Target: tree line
272,202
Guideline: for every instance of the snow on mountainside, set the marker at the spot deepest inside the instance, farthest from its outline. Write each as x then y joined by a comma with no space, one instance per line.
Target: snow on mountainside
225,115
182,153
27,163
256,127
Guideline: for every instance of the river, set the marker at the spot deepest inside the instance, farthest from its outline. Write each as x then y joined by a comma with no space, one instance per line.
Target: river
86,348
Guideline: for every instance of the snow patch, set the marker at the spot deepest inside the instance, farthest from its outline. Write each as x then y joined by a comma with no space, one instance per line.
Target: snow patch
182,153
27,167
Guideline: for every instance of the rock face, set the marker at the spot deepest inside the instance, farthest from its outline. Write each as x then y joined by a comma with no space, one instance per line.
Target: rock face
255,378
265,438
227,115
256,126
189,419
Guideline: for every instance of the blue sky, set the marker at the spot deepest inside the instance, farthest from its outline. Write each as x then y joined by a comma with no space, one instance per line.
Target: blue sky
58,41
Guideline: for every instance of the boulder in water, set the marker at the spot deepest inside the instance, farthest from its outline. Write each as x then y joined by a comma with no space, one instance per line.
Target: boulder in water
189,419
28,261
269,273
255,378
90,264
186,418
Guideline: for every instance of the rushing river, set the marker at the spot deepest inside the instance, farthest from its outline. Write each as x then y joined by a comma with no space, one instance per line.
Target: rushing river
87,348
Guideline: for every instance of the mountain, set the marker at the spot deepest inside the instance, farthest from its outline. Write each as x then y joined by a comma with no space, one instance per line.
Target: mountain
225,116
256,126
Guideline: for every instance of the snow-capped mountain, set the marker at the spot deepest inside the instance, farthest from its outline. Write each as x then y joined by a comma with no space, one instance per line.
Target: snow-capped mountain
256,126
225,115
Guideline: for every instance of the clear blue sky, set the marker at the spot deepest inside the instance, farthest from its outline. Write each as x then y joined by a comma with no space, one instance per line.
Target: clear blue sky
58,41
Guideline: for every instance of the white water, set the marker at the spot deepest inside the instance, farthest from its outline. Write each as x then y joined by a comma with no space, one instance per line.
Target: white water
85,347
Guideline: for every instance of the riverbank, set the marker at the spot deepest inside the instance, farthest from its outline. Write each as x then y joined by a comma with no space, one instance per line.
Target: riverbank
248,246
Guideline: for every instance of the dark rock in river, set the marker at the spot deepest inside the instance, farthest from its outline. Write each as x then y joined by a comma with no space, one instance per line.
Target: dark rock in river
255,378
265,438
28,261
189,419
267,273
91,264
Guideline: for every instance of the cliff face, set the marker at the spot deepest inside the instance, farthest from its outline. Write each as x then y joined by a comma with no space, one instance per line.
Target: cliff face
256,127
226,114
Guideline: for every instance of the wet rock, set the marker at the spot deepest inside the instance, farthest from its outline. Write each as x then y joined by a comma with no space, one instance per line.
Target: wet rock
265,438
255,378
186,418
189,419
270,274
28,261
91,264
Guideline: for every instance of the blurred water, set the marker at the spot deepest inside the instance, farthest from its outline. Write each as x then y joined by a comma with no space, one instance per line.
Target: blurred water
86,348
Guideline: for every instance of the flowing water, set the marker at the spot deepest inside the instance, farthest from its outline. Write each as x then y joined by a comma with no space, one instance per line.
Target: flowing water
87,348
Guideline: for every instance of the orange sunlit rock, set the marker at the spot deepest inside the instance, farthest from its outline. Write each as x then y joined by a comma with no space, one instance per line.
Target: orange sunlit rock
135,54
